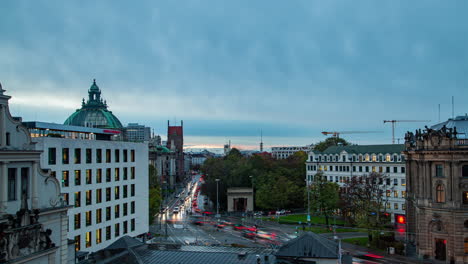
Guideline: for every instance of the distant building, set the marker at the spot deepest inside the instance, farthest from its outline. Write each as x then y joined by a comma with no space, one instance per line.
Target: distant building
340,163
175,142
163,159
33,216
286,151
137,133
437,175
227,148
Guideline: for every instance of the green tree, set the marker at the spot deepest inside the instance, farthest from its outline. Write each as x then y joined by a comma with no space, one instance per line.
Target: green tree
155,197
324,196
331,141
153,176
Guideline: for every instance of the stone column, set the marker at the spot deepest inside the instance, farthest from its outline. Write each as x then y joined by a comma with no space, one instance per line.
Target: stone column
3,186
34,175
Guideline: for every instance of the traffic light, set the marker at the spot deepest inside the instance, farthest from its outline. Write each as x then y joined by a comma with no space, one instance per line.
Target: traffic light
401,219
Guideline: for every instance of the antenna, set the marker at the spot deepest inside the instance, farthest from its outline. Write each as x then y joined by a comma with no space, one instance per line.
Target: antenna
261,140
439,113
453,107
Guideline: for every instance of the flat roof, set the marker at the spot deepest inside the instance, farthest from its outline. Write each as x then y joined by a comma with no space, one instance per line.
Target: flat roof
61,127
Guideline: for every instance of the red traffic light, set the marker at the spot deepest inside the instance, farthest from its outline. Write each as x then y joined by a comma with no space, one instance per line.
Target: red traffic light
401,219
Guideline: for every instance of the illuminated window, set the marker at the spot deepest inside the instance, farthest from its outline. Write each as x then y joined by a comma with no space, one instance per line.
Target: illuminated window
389,193
388,158
77,221
374,158
108,232
465,197
380,169
403,182
66,198
403,194
88,218
65,156
373,168
117,174
98,236
387,205
395,194
88,197
89,176
466,245
99,176
117,211
367,157
77,243
77,199
117,192
395,206
440,193
88,239
98,216
77,177
65,178
98,195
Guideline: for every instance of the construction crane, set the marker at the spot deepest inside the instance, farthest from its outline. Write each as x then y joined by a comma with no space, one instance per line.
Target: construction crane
337,134
395,121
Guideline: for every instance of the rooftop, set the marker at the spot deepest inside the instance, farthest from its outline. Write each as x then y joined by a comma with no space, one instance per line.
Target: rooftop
364,149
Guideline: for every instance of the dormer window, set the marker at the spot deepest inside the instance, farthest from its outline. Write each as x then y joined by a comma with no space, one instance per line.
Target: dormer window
374,158
388,158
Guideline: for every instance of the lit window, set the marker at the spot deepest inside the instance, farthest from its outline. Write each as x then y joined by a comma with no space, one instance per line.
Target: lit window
374,158
440,194
77,243
98,236
465,197
395,194
88,218
403,194
88,239
388,193
395,206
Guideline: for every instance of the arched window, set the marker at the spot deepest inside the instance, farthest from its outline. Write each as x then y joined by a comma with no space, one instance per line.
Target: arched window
440,194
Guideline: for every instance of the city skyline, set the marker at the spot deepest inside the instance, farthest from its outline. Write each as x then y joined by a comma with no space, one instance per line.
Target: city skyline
230,70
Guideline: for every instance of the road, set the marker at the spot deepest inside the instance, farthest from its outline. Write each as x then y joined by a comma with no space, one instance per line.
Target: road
180,228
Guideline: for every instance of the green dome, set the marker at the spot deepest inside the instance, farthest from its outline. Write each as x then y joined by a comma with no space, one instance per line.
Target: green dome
94,113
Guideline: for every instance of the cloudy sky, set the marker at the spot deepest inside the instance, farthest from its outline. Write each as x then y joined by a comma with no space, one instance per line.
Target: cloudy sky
232,68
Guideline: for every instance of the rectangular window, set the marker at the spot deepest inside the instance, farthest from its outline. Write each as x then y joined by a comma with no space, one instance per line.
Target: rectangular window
395,194
117,230
132,173
125,155
52,156
7,137
402,169
395,182
389,193
132,190
360,168
108,155
25,181
125,209
108,232
98,236
125,227
367,168
77,199
117,192
108,175
98,155
125,173
132,225
125,194
132,207
116,211
354,168
88,218
89,155
99,176
66,199
387,181
77,243
89,176
395,205
117,155
98,216
65,178
380,169
117,174
395,169
403,182
65,155
98,196
88,239
439,170
88,197
403,194
77,177
132,155
77,156
373,168
108,213
387,169
77,221
108,194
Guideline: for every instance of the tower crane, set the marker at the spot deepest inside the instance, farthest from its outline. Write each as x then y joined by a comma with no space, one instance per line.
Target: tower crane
338,133
395,121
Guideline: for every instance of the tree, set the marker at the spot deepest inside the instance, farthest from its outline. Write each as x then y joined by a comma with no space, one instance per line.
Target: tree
153,176
155,197
331,141
324,196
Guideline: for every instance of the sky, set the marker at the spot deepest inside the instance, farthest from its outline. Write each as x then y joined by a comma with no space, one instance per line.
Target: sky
234,69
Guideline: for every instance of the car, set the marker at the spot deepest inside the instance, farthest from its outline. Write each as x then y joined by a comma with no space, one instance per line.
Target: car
175,210
177,196
248,234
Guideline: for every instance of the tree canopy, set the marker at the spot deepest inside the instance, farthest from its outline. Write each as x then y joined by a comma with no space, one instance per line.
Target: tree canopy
331,141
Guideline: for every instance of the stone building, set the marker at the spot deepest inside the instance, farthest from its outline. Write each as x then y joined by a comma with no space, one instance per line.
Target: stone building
175,142
33,216
437,191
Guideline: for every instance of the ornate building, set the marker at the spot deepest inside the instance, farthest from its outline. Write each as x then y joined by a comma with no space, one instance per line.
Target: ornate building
437,191
175,142
33,217
94,112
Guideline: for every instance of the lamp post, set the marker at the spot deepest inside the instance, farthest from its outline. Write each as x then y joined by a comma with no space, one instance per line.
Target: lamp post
308,202
217,198
253,193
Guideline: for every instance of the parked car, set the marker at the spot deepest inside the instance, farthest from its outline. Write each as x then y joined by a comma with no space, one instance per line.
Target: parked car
176,210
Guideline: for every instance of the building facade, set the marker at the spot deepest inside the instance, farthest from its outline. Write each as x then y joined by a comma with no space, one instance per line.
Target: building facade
33,217
285,152
137,133
175,142
340,163
437,162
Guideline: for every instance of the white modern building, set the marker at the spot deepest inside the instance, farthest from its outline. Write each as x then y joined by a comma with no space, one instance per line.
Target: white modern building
340,163
137,133
286,151
33,217
106,181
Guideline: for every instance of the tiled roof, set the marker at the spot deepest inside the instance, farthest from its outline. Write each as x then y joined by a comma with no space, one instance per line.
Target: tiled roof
309,245
363,149
124,243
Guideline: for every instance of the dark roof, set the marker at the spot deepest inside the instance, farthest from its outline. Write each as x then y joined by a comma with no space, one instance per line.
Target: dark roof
460,122
124,243
363,149
309,245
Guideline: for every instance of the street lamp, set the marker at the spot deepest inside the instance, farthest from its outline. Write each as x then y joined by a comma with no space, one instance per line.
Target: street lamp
308,202
253,193
217,198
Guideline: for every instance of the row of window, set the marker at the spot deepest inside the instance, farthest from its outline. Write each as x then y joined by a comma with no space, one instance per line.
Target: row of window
396,206
13,183
52,156
99,216
98,195
355,168
98,177
440,195
360,158
439,170
347,179
108,234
